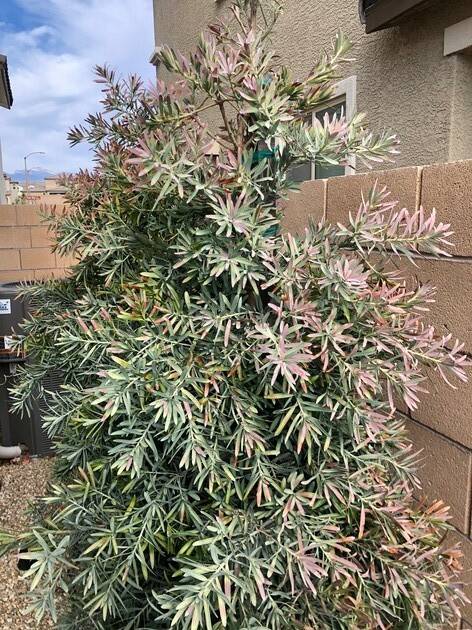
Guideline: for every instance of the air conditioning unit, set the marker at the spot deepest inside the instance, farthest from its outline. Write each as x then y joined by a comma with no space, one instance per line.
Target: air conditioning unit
26,431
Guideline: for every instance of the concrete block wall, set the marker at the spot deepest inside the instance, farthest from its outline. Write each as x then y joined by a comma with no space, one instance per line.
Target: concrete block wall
442,426
25,245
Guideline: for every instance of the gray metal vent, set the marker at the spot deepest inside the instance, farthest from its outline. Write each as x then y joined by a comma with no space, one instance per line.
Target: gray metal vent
51,383
14,429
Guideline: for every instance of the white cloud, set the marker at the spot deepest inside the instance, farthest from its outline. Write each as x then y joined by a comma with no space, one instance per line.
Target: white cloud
51,72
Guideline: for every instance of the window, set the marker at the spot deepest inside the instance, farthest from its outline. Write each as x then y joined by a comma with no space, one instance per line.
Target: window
343,103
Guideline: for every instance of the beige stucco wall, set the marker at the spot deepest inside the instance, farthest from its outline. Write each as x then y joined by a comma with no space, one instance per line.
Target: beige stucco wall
404,81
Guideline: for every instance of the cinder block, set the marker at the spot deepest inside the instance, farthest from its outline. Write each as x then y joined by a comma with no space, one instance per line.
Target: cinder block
445,472
28,215
14,237
303,205
38,258
7,215
64,262
9,259
455,538
58,206
61,208
344,194
445,409
16,276
41,236
47,274
448,188
450,313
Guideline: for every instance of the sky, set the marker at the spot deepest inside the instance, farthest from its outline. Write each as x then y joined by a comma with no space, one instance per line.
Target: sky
52,47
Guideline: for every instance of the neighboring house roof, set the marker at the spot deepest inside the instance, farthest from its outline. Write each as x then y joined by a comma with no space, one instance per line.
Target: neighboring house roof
39,187
379,14
60,190
6,95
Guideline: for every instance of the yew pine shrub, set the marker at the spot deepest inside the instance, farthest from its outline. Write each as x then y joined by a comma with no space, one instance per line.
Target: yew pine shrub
230,453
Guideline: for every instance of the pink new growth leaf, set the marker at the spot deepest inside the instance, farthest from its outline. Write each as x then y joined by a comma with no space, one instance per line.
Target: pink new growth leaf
282,356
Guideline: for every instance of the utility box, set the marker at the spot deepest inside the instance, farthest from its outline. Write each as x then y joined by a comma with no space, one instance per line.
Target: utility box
14,429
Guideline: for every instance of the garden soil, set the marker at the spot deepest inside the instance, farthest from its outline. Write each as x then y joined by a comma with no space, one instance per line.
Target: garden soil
20,483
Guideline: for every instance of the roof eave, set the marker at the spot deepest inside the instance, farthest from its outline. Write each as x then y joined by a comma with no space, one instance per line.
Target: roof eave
5,86
387,13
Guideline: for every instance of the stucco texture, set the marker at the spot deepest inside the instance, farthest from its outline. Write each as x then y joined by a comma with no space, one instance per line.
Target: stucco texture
404,82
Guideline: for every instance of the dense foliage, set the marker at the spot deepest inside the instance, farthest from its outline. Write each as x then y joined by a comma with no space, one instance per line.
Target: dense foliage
230,451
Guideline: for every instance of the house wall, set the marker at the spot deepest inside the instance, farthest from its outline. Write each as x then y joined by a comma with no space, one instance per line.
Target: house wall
442,426
13,191
404,81
50,183
3,198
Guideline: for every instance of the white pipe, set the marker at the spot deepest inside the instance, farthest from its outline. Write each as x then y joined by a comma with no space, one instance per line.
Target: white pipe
10,452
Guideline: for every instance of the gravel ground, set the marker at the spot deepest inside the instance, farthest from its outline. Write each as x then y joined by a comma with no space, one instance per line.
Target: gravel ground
19,483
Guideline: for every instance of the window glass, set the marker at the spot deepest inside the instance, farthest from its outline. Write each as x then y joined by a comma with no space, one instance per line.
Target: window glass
324,171
303,172
300,173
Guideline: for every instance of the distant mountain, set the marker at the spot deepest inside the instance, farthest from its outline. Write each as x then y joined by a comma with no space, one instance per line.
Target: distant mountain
35,175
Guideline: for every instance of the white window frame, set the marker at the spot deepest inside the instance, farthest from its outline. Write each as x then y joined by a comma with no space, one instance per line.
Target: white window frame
153,59
345,90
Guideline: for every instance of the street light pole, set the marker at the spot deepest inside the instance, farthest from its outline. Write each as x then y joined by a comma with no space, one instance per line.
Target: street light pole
26,165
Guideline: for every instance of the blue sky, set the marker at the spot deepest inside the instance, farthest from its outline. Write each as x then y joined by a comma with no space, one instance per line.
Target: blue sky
52,46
